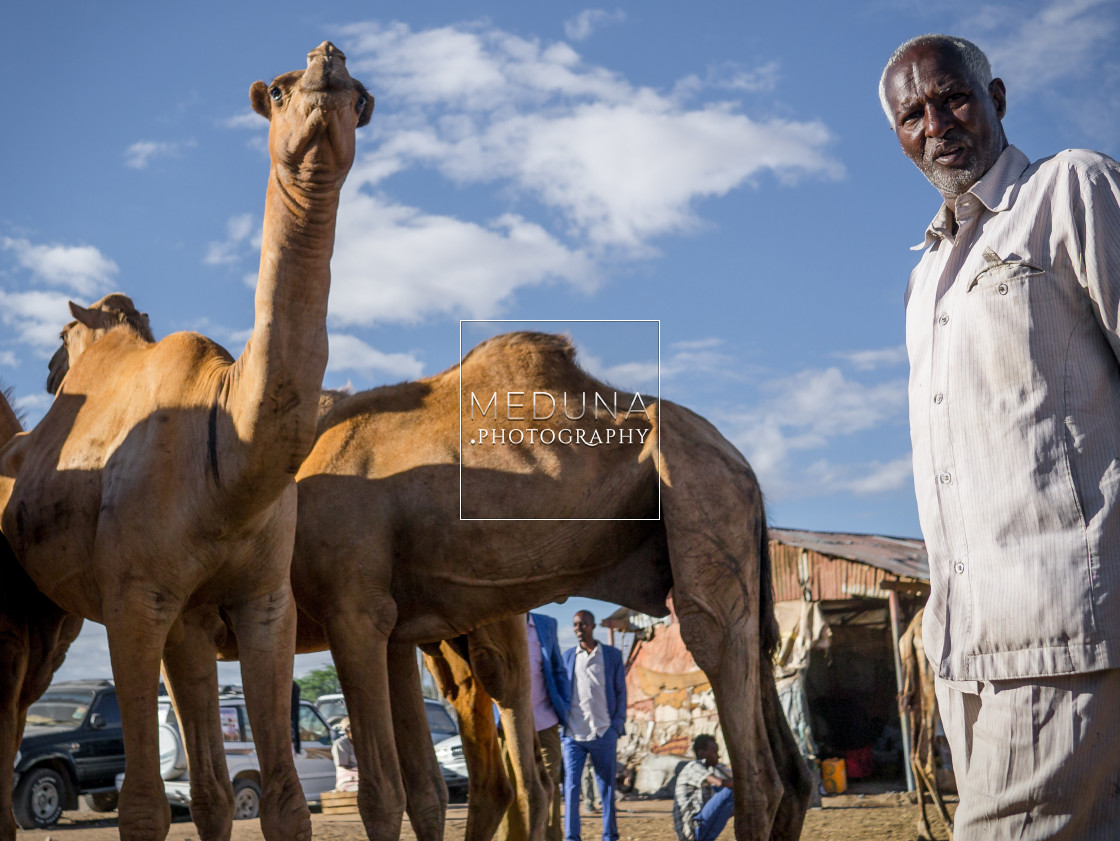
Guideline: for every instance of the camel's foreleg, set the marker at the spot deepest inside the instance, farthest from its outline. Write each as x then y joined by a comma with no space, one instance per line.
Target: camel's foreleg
265,627
425,791
191,675
137,625
358,631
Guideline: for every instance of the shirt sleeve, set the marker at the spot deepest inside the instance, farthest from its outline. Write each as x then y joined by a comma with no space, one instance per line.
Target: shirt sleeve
1095,206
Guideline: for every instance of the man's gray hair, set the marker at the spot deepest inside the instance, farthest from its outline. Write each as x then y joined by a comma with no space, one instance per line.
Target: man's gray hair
971,55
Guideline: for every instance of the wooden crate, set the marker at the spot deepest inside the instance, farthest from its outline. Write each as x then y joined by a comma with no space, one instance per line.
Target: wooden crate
340,802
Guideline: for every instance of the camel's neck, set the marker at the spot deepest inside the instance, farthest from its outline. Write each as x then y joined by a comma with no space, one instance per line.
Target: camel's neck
9,423
274,393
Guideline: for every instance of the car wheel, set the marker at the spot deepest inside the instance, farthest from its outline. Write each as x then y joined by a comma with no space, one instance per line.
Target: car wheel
38,799
102,801
246,799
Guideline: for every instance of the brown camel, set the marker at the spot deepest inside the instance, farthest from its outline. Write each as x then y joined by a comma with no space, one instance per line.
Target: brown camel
35,635
918,703
157,494
383,559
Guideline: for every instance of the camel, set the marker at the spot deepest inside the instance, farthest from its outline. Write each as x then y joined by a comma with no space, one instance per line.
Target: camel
918,703
383,559
494,657
36,634
157,495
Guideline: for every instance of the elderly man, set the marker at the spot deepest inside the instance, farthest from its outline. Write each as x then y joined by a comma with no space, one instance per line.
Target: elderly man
1013,336
596,719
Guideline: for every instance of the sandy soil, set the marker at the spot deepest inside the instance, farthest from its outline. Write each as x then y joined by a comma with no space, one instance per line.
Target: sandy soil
848,817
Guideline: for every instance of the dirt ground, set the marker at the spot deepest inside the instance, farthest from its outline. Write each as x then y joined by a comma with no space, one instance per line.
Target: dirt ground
853,816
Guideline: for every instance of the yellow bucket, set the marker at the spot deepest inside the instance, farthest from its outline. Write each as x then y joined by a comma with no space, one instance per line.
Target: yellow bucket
834,776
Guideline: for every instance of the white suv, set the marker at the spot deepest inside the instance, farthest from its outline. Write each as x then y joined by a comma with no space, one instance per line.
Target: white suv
314,762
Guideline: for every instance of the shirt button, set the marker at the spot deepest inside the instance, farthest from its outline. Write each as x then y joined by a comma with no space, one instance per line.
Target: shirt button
937,398
1002,288
945,478
958,567
943,319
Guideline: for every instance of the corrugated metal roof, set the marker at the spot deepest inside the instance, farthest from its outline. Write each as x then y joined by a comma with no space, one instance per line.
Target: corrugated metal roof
898,555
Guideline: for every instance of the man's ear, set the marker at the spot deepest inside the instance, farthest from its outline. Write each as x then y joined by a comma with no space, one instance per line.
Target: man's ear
998,93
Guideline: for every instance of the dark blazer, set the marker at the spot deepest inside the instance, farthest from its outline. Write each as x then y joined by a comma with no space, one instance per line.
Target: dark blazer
615,674
552,663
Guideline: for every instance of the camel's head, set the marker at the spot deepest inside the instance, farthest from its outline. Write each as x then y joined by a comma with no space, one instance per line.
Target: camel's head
91,324
313,115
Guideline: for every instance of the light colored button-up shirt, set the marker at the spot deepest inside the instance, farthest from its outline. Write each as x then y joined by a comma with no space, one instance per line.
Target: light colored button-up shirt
589,717
544,716
1012,332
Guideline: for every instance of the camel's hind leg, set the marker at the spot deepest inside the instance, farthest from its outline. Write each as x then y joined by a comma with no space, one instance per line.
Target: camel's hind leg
34,636
716,534
425,791
490,792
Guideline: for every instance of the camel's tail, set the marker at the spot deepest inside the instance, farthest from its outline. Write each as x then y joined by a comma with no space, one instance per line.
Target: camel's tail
769,632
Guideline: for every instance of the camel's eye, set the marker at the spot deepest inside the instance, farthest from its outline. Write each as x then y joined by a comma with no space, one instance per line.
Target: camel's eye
362,100
276,94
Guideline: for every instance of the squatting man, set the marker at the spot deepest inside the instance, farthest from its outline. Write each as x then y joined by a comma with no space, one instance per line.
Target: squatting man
1013,337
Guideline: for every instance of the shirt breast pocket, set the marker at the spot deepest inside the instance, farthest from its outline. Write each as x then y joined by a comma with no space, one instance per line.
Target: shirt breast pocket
1010,327
1008,278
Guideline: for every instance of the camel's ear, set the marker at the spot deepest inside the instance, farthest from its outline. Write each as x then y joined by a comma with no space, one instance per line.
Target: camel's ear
260,100
83,316
367,112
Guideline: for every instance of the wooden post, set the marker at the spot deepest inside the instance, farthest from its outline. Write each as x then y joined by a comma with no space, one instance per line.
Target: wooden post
896,610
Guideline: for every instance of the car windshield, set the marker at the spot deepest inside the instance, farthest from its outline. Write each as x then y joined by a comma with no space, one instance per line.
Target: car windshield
60,707
332,708
439,722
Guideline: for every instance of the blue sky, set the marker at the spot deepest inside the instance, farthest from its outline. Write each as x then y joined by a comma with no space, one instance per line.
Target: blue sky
725,169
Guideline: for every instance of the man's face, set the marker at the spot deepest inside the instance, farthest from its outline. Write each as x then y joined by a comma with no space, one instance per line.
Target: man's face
946,123
584,628
709,754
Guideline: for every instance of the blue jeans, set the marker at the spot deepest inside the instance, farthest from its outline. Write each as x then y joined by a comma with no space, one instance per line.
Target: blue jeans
602,754
715,815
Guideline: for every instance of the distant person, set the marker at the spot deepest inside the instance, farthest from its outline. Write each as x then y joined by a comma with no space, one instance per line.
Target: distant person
703,799
552,696
596,719
589,796
345,763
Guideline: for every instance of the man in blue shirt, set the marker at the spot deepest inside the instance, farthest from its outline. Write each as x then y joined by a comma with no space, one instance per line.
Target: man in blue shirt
596,719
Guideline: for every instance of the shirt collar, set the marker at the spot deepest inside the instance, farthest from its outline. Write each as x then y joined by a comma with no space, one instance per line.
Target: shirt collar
995,190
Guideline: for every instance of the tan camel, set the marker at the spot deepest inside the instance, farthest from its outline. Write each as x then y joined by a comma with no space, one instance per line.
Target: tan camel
383,560
36,635
157,495
495,658
918,702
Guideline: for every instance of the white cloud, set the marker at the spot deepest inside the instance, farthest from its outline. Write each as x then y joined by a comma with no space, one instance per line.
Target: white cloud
869,360
586,22
1063,39
243,235
143,152
808,411
622,164
397,263
88,657
8,358
82,269
731,76
349,353
35,317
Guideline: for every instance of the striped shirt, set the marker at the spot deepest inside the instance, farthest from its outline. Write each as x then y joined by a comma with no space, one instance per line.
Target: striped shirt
1012,323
